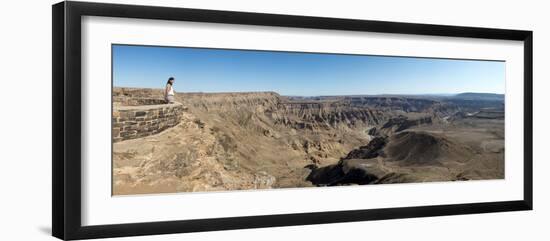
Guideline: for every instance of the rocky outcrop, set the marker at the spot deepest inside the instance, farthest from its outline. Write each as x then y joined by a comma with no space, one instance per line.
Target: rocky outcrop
402,123
423,148
342,173
369,164
371,150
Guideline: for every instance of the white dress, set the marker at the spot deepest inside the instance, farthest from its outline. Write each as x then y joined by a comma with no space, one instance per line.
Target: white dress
170,95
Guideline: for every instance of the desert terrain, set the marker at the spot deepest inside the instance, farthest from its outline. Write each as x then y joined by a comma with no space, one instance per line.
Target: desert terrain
262,140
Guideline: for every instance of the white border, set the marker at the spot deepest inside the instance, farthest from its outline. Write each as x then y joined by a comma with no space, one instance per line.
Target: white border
100,208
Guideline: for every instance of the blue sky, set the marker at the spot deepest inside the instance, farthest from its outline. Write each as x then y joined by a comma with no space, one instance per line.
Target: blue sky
305,74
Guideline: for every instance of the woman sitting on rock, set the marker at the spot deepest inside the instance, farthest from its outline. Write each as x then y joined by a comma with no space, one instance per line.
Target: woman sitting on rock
169,91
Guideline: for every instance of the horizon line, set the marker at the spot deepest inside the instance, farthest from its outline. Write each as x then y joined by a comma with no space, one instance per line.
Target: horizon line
290,95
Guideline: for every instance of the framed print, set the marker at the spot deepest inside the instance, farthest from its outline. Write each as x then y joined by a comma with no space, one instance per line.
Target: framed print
170,120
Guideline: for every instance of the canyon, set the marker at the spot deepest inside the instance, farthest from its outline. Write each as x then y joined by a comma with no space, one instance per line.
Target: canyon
262,140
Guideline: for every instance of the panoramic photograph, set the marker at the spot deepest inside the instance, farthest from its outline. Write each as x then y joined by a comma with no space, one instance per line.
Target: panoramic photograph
202,119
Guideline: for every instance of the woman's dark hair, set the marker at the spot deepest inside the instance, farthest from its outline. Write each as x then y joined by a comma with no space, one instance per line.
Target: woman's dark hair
168,82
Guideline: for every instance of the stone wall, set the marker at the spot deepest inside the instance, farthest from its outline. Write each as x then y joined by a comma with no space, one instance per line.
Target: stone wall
142,112
131,122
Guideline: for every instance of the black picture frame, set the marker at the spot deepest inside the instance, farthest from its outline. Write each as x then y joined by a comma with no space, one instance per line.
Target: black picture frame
66,127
